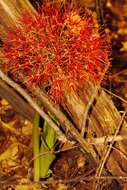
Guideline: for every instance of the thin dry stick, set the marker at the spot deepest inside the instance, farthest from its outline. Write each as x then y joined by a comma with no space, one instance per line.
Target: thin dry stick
118,73
105,156
12,180
112,177
51,152
115,95
53,108
61,136
119,151
106,139
91,101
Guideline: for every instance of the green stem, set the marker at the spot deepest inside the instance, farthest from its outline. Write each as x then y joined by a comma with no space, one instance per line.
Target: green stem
36,172
47,143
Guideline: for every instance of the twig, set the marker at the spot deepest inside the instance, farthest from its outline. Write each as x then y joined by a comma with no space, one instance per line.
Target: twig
12,180
106,139
65,123
61,136
20,106
95,91
51,152
119,151
118,73
105,156
115,95
91,101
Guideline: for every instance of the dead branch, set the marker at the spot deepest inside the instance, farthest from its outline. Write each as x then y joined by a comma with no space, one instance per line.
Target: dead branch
18,103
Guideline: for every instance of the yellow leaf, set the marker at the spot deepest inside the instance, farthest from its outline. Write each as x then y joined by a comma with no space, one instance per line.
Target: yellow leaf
10,152
124,48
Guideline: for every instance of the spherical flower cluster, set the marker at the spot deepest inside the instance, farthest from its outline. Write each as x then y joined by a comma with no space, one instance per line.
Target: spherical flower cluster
56,50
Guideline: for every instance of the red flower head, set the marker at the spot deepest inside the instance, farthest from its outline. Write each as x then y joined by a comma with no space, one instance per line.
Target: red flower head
57,51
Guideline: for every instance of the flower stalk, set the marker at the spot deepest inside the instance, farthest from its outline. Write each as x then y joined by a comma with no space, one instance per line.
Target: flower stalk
36,150
42,161
48,141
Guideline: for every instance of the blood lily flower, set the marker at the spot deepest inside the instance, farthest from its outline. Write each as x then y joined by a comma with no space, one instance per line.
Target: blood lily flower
56,50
